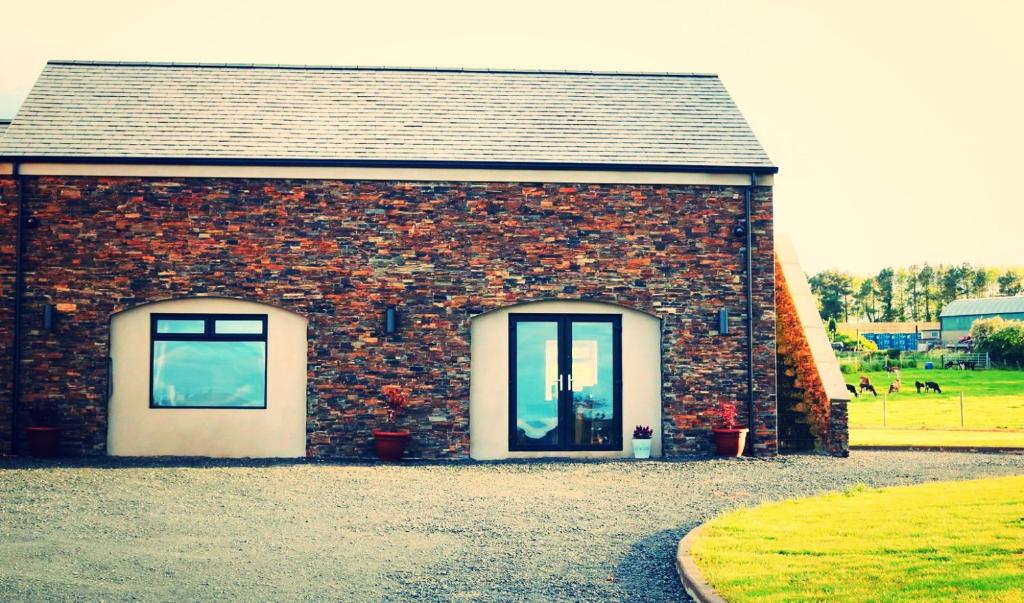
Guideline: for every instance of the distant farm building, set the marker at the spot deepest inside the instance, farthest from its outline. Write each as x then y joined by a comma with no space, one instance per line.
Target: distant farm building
958,316
904,336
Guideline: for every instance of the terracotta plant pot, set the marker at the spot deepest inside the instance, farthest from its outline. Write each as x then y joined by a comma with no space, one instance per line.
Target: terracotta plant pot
730,442
43,442
390,444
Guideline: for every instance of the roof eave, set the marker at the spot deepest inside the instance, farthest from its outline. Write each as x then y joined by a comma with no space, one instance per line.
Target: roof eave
378,163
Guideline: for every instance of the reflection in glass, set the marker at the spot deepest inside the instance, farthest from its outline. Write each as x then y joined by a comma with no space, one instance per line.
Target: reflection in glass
186,326
209,373
537,383
593,394
238,327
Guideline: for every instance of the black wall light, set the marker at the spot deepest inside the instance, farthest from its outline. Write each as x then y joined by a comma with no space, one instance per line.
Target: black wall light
723,321
49,316
390,320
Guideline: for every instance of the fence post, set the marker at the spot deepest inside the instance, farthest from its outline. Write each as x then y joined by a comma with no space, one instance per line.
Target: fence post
962,409
885,411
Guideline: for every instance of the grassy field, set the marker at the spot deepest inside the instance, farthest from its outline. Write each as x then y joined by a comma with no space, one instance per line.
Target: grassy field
936,438
947,541
993,400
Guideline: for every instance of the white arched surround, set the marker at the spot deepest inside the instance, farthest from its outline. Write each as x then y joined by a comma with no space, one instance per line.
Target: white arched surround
489,372
135,429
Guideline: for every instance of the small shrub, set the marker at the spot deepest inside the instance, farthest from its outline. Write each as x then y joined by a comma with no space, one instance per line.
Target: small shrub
396,399
852,342
856,489
44,415
1002,339
726,413
642,432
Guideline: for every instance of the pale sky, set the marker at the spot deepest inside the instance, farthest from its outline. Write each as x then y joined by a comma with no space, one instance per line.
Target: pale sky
897,126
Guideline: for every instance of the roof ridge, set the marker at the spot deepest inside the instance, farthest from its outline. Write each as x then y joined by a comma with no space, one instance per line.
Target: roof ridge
974,299
378,68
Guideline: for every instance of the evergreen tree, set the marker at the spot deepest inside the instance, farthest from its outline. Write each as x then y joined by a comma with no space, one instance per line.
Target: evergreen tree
886,291
1010,282
833,290
926,278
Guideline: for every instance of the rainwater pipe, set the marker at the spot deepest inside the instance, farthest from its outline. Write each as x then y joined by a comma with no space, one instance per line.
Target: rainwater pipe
19,285
752,434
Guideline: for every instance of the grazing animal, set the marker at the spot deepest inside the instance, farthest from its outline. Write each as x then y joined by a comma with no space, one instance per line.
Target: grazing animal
919,386
852,390
865,384
870,388
894,387
932,386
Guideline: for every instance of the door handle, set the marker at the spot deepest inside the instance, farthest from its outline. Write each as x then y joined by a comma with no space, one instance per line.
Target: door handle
561,387
570,382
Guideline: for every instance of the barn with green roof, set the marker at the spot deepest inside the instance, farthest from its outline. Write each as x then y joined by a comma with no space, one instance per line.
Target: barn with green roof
958,316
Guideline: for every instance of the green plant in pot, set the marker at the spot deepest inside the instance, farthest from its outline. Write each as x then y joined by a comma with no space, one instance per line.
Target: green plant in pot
390,442
642,442
729,439
42,434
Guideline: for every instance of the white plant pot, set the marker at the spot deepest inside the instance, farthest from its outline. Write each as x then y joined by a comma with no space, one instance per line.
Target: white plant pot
642,449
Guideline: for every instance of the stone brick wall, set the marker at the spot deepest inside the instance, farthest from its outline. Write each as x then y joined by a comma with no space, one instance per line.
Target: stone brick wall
8,235
339,252
805,410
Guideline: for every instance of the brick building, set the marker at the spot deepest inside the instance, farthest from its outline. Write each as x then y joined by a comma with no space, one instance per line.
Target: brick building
233,260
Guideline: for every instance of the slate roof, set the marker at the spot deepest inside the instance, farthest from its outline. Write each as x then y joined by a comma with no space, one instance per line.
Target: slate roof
987,305
138,111
3,126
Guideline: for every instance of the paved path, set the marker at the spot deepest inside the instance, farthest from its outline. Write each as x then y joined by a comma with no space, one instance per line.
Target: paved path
546,531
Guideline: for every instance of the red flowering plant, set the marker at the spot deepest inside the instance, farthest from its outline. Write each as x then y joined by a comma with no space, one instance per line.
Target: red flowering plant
726,413
396,399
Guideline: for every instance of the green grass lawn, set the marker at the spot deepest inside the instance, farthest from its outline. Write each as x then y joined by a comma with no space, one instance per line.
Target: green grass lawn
950,541
993,400
960,438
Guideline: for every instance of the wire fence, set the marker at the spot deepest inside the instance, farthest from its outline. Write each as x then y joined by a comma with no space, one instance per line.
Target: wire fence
932,410
855,362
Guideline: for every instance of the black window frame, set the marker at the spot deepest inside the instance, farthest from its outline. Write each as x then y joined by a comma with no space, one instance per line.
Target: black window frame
565,368
209,334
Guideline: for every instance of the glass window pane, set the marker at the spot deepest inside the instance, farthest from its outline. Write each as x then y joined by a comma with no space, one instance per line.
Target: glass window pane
537,383
183,326
209,373
238,327
593,387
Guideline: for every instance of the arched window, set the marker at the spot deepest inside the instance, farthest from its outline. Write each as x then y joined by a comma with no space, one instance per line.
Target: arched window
207,377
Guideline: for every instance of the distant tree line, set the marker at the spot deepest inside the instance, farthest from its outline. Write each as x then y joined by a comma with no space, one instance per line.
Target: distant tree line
911,293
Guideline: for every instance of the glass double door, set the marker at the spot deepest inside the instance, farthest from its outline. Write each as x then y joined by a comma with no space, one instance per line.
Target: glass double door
565,382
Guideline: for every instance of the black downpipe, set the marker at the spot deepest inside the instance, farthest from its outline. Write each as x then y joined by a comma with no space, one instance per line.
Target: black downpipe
19,286
751,435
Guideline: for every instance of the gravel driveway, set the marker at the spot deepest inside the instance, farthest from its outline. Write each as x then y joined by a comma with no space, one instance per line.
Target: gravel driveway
538,531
